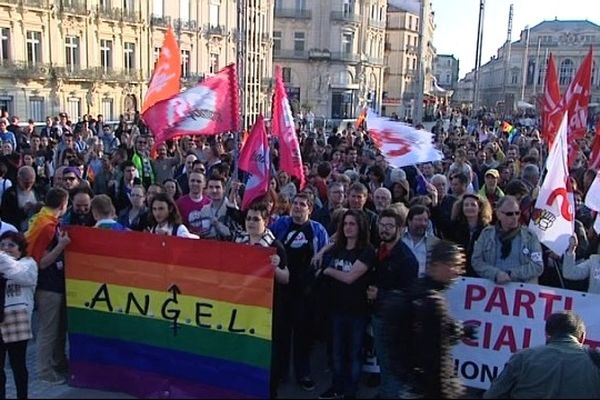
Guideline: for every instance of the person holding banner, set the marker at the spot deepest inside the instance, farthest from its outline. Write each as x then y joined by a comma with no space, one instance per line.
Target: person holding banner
589,268
508,252
560,369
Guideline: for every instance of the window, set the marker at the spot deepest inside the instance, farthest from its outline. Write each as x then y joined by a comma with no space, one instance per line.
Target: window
214,10
514,78
276,41
36,108
347,39
300,4
184,10
348,7
185,63
6,104
566,72
410,22
105,4
448,80
449,63
414,63
34,48
213,68
530,72
129,56
107,109
594,77
105,54
128,6
72,53
5,45
156,54
158,8
74,108
286,73
298,41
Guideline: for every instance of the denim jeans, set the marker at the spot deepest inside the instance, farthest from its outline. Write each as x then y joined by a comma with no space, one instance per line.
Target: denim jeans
391,344
348,333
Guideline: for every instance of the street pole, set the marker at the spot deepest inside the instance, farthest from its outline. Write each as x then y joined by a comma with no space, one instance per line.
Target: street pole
536,74
478,55
524,66
241,71
418,109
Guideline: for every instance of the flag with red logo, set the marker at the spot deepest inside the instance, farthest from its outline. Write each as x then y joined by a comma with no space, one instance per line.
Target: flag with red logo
552,220
550,103
290,159
167,73
209,108
255,160
401,144
575,103
594,161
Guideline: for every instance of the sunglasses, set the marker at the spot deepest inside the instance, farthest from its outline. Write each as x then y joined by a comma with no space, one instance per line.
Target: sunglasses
253,219
511,213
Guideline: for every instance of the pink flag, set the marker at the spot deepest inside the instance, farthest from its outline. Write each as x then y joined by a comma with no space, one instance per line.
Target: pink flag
283,129
209,108
255,160
550,102
575,103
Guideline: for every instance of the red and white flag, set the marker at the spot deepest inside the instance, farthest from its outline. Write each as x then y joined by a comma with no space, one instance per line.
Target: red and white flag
255,160
550,103
401,144
290,159
553,218
166,77
594,161
575,103
209,108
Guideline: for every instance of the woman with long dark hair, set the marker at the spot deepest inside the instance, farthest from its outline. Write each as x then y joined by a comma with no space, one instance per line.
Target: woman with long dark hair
20,274
164,218
351,259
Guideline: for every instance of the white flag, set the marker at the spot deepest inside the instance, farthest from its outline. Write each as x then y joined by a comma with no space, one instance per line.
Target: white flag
553,219
592,199
401,144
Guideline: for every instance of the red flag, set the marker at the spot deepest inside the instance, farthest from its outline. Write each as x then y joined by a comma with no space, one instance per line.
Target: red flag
254,159
575,102
362,116
594,161
550,102
290,159
209,108
167,73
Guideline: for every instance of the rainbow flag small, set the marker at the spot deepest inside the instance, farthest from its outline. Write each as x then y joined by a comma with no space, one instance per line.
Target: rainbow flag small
164,317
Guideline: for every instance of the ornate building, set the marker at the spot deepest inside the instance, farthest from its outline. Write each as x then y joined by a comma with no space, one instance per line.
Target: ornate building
96,56
520,77
445,70
401,54
331,52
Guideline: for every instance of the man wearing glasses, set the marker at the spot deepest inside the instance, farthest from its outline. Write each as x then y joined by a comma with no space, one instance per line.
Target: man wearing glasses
142,162
508,252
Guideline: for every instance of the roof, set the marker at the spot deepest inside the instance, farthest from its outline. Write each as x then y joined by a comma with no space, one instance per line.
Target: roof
561,25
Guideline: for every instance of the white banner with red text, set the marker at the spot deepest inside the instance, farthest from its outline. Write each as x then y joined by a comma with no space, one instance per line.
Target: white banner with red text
510,318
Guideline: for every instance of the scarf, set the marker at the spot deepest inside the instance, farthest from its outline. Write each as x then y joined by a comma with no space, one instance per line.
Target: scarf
265,241
506,240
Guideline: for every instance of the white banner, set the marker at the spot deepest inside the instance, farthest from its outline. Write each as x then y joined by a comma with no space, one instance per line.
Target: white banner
510,317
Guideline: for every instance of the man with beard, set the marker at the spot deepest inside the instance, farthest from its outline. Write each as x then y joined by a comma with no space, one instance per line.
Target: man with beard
382,197
396,270
416,237
80,212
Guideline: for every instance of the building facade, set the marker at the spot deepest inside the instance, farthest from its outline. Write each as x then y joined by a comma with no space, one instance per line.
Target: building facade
445,70
401,83
507,81
96,56
331,53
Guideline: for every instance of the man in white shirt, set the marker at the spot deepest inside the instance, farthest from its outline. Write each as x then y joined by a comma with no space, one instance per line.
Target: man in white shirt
416,237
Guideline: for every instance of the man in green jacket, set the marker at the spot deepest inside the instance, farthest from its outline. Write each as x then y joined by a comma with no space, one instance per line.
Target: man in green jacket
560,369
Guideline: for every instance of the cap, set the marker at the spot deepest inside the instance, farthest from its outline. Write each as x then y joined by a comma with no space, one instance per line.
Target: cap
493,172
73,170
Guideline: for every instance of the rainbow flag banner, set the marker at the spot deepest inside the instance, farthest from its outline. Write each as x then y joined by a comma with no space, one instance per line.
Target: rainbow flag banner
164,317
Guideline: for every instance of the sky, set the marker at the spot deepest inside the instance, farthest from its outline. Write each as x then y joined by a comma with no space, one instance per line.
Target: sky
456,23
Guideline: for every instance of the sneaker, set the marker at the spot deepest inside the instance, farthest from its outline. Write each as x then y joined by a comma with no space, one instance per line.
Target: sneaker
307,384
53,380
331,394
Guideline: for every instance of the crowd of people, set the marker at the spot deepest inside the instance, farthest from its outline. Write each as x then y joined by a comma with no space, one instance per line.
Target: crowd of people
363,249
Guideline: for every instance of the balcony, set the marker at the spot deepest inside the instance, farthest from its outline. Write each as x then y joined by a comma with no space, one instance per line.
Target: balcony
267,83
131,15
345,17
75,72
160,21
375,60
411,49
295,13
290,54
189,25
317,54
76,7
345,57
36,3
374,23
265,36
192,79
110,13
24,70
215,30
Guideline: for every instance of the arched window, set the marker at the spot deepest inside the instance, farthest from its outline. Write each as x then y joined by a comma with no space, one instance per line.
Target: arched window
530,72
566,72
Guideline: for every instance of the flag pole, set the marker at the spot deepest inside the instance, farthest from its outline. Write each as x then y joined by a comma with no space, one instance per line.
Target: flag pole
241,73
